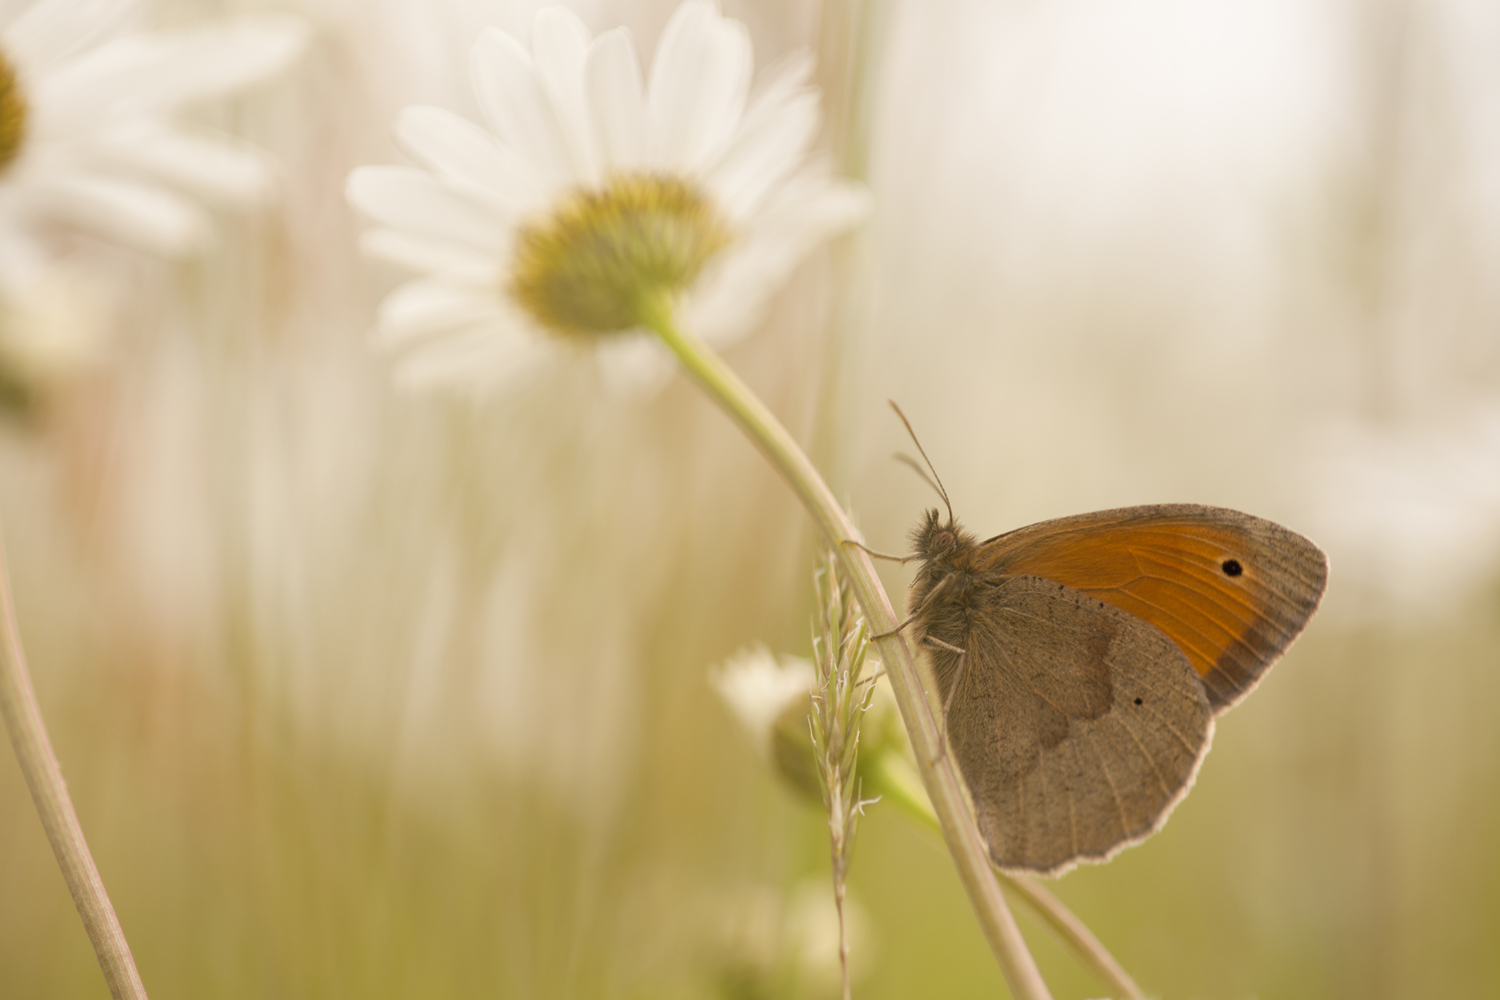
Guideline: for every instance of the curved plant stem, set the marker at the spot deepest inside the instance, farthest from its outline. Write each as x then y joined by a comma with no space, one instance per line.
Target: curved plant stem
1076,936
939,775
28,734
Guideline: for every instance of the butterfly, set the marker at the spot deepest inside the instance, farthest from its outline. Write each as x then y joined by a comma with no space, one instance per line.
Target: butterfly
1081,662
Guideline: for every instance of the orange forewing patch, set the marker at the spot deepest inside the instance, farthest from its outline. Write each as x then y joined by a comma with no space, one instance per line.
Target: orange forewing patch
1166,565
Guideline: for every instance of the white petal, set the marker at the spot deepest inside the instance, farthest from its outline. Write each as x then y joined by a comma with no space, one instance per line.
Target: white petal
559,49
470,158
134,214
221,169
763,154
634,366
780,82
730,300
617,101
434,256
149,73
22,262
50,30
777,111
517,108
699,82
489,357
818,204
413,200
429,306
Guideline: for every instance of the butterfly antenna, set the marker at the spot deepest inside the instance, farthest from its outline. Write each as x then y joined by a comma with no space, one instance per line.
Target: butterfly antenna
936,481
912,464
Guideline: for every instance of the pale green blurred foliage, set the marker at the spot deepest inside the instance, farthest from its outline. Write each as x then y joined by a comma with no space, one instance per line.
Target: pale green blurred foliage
370,696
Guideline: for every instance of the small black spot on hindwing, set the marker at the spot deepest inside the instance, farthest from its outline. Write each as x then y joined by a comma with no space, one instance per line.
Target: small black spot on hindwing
1232,567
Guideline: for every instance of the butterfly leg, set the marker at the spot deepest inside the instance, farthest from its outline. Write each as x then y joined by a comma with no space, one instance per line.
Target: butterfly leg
894,631
903,560
958,675
931,596
943,645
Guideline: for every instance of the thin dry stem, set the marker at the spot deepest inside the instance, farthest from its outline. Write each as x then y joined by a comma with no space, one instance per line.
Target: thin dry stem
1075,934
28,734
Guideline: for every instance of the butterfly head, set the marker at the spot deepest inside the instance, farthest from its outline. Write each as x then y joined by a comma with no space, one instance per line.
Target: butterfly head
939,539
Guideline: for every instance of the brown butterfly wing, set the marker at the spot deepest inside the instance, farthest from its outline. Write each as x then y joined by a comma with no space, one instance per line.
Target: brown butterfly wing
1230,590
1077,726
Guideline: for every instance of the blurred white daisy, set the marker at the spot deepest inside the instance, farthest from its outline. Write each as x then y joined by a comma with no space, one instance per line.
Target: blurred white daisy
592,190
88,143
86,131
760,688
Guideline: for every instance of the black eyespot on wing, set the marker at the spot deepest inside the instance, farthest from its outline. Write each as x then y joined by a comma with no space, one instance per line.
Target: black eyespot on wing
1232,567
1138,701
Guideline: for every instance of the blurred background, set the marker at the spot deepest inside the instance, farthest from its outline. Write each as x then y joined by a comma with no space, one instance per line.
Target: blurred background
362,694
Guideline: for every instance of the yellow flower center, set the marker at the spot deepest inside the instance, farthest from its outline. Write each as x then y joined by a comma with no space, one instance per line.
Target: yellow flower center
12,115
595,262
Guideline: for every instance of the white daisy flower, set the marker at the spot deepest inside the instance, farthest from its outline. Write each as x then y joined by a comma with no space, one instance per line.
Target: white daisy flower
87,143
760,687
592,190
86,131
771,696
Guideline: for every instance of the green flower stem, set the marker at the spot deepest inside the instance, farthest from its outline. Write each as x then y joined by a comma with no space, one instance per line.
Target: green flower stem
28,734
891,776
939,775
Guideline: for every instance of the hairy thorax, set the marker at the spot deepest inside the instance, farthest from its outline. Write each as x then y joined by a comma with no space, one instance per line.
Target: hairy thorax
948,554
